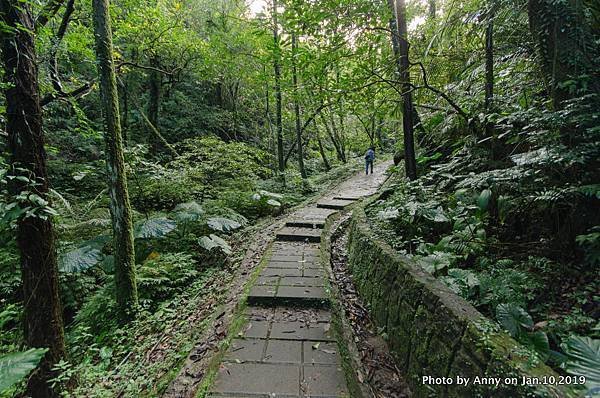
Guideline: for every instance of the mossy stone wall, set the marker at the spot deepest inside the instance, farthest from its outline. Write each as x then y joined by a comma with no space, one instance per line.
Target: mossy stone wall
433,332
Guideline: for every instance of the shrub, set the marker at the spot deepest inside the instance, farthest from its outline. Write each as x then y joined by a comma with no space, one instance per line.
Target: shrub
165,275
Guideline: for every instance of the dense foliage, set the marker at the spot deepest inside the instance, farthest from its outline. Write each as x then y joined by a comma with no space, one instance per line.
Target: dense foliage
505,212
506,124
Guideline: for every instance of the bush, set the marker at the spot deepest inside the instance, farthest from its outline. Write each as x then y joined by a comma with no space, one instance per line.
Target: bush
253,205
163,193
10,273
206,169
165,275
83,180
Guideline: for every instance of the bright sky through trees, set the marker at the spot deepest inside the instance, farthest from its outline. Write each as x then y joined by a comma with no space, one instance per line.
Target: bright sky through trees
256,6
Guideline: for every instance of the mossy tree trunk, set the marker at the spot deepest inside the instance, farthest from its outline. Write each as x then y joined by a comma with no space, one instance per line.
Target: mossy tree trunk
489,74
277,71
300,151
126,290
410,163
42,320
321,148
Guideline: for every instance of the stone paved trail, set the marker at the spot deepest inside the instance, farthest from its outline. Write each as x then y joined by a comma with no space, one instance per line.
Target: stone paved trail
287,349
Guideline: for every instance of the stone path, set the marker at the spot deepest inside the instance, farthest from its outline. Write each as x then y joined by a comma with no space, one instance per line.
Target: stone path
287,348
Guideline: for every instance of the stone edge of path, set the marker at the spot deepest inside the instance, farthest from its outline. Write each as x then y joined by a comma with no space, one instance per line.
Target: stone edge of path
351,358
194,366
348,350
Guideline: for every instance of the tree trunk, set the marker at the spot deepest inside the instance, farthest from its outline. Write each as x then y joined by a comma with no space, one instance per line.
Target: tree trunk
340,154
154,84
407,105
120,209
379,133
321,149
297,107
125,124
268,114
277,69
562,36
395,42
338,138
489,74
432,9
42,320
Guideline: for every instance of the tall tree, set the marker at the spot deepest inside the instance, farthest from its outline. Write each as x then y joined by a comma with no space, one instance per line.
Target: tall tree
335,140
154,84
120,209
489,71
321,148
277,70
410,162
43,323
297,106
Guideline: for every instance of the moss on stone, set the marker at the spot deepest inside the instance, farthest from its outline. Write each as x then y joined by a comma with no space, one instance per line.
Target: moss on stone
432,331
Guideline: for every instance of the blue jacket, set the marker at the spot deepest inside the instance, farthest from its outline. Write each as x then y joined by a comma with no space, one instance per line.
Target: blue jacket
370,155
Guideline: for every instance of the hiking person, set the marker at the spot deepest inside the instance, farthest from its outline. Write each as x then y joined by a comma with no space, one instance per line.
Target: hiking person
369,159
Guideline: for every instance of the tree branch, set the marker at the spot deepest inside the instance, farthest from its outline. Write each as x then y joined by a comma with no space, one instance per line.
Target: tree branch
62,30
54,72
145,67
149,123
48,11
445,96
82,91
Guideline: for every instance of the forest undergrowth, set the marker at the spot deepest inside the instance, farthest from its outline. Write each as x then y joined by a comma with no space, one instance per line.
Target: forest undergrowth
517,237
193,218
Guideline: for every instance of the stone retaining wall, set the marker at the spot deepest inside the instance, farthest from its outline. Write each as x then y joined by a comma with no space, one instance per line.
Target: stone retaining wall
433,332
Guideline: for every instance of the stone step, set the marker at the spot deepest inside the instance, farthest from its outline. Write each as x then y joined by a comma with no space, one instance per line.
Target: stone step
347,197
315,224
299,234
335,204
294,296
274,291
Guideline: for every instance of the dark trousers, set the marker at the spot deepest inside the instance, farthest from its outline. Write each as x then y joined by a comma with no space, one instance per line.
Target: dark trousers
369,162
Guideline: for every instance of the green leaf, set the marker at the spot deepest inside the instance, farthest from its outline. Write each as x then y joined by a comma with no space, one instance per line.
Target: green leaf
16,366
273,202
154,228
108,264
388,214
271,194
483,201
213,241
504,207
12,212
98,242
538,341
190,211
513,318
435,215
464,276
223,224
79,260
590,190
583,359
436,261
